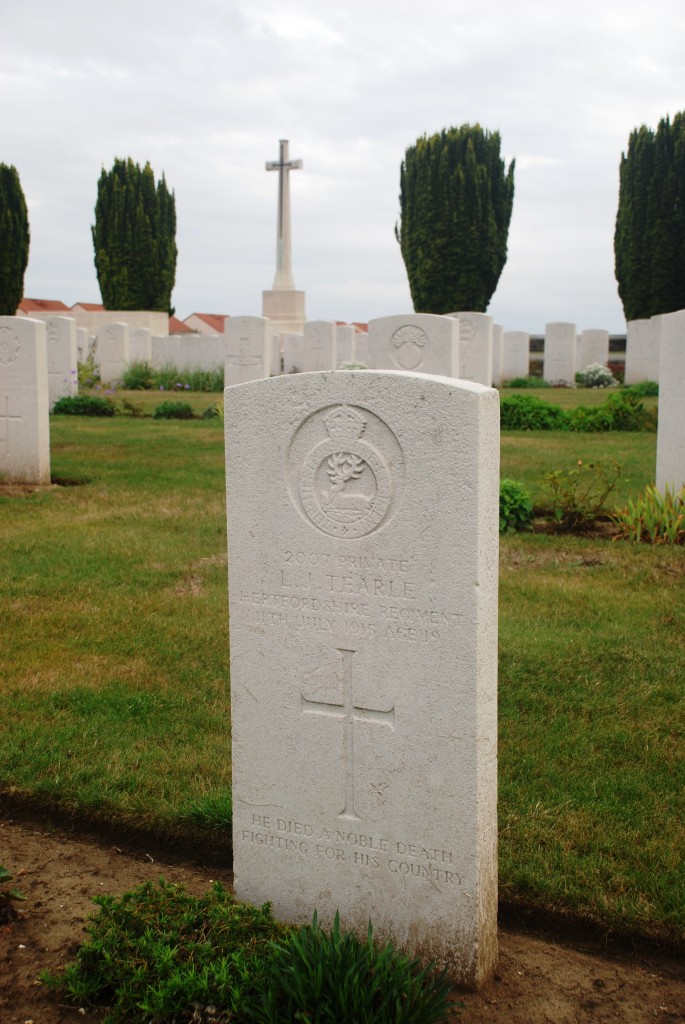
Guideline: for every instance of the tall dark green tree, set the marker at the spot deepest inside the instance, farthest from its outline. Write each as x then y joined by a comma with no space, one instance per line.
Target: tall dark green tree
649,240
456,198
134,237
14,240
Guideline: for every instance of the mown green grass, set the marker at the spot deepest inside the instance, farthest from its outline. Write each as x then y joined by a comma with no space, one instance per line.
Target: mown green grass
115,672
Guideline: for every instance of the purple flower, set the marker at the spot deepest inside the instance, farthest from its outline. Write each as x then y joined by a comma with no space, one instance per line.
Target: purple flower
98,387
161,387
187,387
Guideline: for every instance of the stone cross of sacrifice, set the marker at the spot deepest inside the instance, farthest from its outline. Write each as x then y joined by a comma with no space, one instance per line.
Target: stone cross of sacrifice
283,281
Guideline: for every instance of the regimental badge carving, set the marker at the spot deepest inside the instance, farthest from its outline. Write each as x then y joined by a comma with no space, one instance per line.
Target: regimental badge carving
346,471
9,346
409,344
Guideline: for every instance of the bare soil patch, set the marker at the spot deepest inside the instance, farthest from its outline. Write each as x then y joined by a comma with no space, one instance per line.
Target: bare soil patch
540,980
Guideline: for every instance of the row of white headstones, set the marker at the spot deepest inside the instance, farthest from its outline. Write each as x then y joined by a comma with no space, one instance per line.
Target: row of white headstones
363,570
38,364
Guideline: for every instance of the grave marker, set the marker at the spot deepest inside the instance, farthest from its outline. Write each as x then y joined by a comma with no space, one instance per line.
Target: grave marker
363,537
593,348
670,441
475,346
515,354
112,352
642,351
420,342
24,401
62,357
248,349
560,352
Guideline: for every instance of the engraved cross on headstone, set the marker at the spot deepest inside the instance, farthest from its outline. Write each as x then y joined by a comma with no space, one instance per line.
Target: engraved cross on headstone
283,281
5,418
349,713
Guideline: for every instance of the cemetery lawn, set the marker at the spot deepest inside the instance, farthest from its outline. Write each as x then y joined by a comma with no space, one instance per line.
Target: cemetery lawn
115,671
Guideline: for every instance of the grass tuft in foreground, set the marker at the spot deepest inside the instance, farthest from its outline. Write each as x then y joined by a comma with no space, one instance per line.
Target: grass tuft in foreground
158,954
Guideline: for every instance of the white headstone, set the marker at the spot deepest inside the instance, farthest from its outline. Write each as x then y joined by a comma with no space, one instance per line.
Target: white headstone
361,348
319,345
515,354
344,344
60,333
475,347
670,445
420,342
560,352
112,352
363,540
642,351
24,401
276,355
248,349
82,344
140,345
294,357
497,354
594,348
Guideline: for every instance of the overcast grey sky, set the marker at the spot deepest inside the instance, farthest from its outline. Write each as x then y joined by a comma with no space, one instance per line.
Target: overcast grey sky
205,90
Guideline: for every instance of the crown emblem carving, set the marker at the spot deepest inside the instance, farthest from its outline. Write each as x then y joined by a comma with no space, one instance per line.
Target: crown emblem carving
344,424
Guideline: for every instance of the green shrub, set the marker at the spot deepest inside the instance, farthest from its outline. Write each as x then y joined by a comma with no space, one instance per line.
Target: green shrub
596,376
328,979
214,412
653,519
170,378
352,364
156,954
526,412
620,411
526,382
173,411
83,405
642,389
138,377
576,497
88,373
515,506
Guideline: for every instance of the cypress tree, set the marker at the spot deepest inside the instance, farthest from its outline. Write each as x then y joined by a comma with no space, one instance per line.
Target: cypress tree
14,240
134,237
456,199
649,239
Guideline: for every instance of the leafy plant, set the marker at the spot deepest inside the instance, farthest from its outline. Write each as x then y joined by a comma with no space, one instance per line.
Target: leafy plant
7,896
171,378
526,412
596,376
214,412
88,373
353,364
642,389
577,496
315,977
654,518
157,953
173,411
620,411
134,409
83,405
138,376
515,506
526,382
